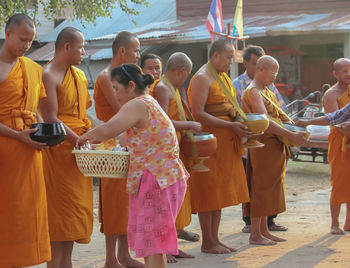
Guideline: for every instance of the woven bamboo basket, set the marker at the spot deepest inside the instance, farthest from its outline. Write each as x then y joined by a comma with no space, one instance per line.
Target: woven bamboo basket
102,163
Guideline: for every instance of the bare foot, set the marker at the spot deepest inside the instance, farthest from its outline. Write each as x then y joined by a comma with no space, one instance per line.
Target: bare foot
229,248
215,249
347,227
273,237
188,236
131,263
336,230
112,264
184,255
170,259
260,240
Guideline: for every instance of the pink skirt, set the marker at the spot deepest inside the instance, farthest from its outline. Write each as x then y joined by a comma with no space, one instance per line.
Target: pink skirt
152,214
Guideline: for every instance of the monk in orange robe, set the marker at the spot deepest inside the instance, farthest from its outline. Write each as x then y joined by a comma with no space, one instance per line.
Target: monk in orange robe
225,184
24,236
114,201
178,68
70,193
266,165
334,99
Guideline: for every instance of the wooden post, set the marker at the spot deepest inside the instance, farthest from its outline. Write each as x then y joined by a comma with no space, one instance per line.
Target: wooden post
237,53
228,31
228,36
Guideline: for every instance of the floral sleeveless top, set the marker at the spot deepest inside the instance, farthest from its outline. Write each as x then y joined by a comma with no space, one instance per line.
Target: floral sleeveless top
155,148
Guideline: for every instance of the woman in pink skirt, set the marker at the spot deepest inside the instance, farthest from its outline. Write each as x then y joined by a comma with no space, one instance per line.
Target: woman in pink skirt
157,177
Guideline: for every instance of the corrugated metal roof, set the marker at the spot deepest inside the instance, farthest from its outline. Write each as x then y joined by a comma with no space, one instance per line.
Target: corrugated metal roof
105,53
157,11
261,26
158,28
157,24
47,52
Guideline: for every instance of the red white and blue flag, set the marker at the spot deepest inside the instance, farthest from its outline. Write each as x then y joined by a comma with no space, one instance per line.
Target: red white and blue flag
214,21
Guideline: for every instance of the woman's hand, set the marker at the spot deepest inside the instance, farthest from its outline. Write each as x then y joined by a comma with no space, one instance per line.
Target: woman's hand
82,141
301,123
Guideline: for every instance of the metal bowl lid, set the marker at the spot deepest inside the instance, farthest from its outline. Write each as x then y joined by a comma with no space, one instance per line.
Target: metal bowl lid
203,136
294,128
255,116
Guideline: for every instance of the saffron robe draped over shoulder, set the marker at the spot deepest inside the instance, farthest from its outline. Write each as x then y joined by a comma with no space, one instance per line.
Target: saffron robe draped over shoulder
114,200
69,192
103,110
184,216
225,184
339,159
266,167
24,236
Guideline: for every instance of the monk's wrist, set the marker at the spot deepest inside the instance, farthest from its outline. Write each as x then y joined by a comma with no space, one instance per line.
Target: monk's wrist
15,134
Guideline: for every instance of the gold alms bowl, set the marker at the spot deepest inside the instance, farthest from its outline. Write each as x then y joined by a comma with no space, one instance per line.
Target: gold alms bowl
257,123
293,128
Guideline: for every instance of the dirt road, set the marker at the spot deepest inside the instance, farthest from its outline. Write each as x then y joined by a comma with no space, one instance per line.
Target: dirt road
309,243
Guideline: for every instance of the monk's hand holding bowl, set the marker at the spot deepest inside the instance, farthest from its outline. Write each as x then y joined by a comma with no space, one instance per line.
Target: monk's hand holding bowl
195,126
24,136
298,138
240,129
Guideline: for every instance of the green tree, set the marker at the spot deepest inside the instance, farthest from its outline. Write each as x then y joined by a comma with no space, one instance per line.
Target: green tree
83,10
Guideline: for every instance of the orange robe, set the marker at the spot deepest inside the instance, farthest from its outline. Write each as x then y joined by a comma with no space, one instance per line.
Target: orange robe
24,236
339,159
114,200
266,167
69,192
184,216
225,184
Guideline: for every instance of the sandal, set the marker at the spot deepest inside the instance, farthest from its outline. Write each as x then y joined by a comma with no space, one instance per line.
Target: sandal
246,229
278,228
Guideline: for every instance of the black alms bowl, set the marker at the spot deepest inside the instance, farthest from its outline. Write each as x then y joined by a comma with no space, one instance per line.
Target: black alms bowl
49,133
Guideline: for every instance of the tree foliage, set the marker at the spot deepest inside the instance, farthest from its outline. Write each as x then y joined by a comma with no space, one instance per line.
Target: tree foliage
83,10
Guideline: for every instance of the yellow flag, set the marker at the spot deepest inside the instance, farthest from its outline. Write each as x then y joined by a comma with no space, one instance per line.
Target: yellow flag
238,20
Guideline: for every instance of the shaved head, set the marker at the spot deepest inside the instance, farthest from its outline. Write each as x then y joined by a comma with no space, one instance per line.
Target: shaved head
340,63
218,46
179,60
16,20
123,39
67,35
267,62
267,68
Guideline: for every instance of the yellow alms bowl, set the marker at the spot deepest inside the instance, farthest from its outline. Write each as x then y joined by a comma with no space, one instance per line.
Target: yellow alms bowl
257,123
